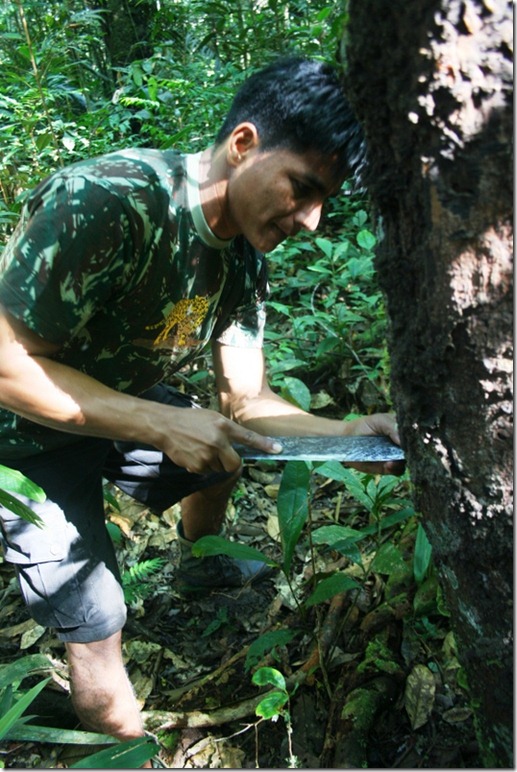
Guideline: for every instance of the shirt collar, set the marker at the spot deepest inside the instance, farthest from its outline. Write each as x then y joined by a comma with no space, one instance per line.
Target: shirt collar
205,233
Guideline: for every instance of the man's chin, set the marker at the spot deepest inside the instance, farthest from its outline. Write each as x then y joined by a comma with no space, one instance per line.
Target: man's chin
268,242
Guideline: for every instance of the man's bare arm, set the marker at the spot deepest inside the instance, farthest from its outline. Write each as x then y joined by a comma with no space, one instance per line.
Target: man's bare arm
246,397
36,386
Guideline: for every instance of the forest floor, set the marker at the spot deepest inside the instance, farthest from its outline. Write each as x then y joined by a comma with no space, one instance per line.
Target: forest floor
372,683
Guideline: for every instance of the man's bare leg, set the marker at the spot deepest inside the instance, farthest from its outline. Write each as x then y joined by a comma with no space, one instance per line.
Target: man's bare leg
203,512
102,694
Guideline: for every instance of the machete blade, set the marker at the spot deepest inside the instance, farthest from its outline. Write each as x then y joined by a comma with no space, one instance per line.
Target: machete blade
346,449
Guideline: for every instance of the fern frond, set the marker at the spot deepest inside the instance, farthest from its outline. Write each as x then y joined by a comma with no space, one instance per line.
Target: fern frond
142,571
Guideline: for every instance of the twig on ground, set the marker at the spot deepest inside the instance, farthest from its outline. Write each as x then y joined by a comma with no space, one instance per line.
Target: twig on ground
163,720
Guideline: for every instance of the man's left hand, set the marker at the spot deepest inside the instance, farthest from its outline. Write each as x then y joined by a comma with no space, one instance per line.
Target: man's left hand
378,423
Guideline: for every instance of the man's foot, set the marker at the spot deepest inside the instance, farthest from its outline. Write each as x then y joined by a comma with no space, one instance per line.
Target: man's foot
200,575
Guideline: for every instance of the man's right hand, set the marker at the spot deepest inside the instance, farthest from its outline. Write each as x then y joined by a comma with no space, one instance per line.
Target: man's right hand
202,440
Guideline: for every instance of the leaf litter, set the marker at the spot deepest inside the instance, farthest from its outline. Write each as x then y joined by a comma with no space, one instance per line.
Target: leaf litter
373,675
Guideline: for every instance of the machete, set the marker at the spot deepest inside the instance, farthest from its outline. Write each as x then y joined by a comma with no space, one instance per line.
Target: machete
375,447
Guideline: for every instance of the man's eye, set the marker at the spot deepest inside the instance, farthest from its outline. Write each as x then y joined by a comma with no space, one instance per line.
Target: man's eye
300,189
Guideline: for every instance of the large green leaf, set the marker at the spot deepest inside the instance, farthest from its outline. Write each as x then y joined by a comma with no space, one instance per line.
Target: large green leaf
216,545
126,755
353,482
272,704
292,506
295,391
267,643
14,672
340,538
390,520
366,239
18,709
19,508
333,535
16,482
330,586
269,676
422,554
388,559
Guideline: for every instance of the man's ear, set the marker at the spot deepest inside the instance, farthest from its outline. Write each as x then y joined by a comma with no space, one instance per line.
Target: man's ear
243,139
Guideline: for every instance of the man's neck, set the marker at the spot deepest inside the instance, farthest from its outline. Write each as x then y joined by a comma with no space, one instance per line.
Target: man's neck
213,192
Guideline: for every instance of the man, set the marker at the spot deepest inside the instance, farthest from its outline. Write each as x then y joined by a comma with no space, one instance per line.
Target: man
122,269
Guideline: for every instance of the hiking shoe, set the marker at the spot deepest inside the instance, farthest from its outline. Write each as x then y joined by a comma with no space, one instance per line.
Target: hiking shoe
213,571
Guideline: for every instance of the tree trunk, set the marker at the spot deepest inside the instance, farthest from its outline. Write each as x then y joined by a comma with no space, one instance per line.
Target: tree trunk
431,81
127,29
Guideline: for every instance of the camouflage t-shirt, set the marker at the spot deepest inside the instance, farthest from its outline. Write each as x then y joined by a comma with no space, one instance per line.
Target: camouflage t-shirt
114,261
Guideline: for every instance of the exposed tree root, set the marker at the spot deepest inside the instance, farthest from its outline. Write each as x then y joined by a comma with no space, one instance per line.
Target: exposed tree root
164,720
327,635
158,720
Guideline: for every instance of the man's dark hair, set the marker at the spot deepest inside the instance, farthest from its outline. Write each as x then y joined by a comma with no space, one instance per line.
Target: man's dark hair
298,104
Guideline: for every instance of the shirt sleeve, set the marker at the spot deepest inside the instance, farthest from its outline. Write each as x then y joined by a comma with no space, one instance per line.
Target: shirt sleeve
245,326
65,257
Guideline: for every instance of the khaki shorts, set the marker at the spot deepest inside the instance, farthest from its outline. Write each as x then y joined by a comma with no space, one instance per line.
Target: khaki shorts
67,570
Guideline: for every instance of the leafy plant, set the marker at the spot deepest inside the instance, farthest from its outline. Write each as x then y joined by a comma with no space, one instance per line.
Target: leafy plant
267,643
13,481
422,557
14,720
378,496
137,579
14,703
275,703
130,754
339,325
293,507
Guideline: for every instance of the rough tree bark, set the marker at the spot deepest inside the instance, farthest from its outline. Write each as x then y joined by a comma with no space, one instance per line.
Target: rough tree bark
431,81
127,29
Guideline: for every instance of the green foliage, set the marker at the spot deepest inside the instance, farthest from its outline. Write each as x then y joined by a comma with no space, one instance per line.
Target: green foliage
381,499
217,545
339,325
422,557
13,481
293,507
62,97
267,643
331,585
137,579
50,73
275,703
131,754
295,391
15,701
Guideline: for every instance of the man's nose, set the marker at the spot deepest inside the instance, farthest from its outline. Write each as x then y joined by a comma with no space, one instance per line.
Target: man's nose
309,216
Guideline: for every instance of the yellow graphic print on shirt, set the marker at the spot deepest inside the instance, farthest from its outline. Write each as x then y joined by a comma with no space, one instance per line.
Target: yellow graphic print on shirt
186,316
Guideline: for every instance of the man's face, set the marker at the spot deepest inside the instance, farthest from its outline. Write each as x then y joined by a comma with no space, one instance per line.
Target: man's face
273,194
